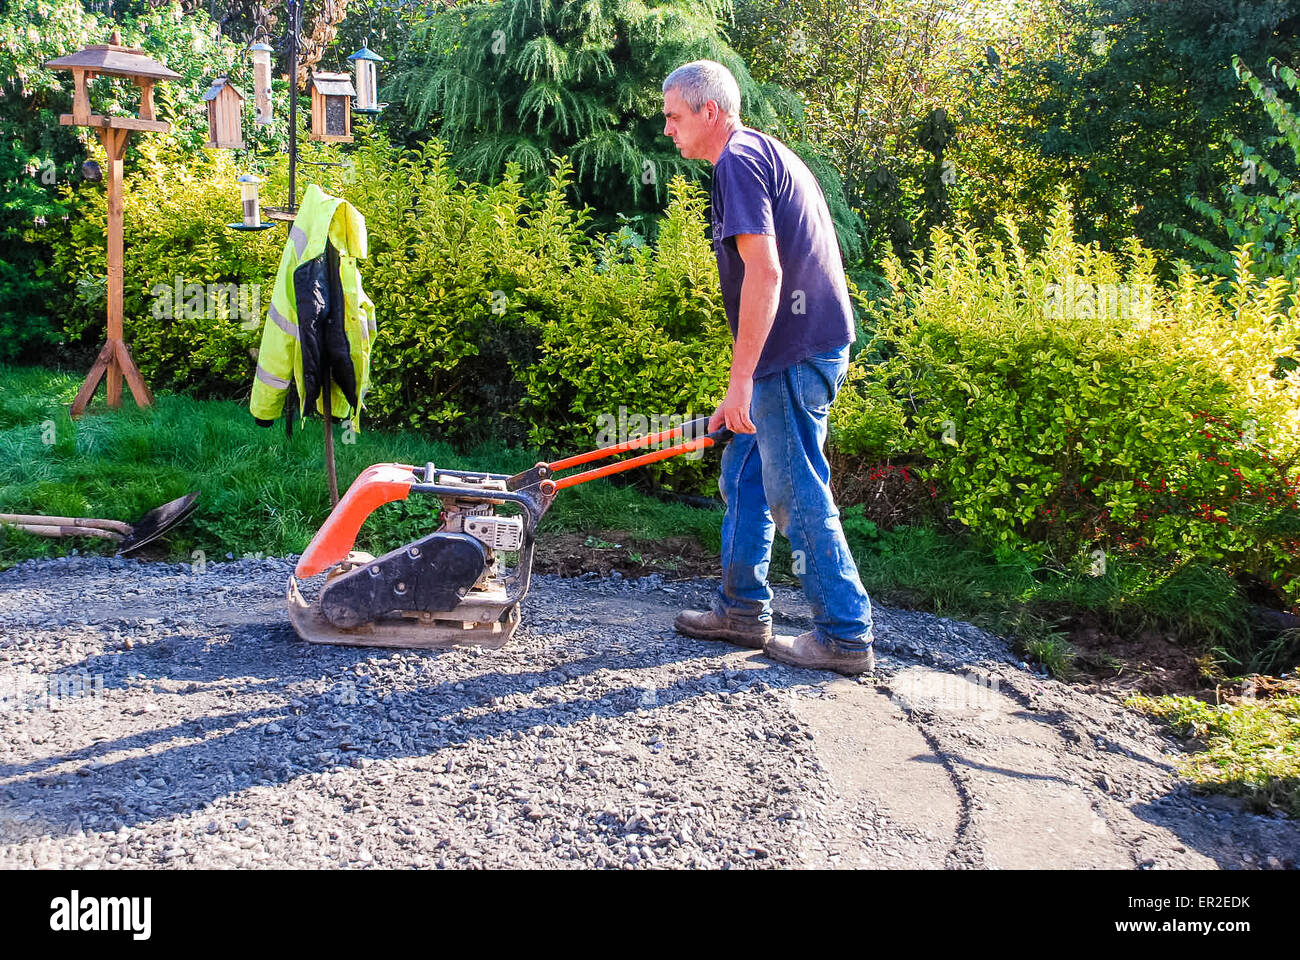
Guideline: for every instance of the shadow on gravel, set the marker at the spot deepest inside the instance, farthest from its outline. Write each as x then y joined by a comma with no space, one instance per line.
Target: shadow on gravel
222,754
1069,728
138,741
958,760
1225,831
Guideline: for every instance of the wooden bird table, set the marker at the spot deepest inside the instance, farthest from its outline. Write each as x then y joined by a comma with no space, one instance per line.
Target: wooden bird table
112,59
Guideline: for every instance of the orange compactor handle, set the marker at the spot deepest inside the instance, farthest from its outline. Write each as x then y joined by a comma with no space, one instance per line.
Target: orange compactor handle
388,482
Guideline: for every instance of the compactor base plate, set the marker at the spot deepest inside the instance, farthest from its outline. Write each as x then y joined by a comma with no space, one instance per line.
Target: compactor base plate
423,631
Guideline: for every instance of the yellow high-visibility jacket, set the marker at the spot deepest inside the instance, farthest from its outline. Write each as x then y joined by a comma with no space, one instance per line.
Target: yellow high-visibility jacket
321,218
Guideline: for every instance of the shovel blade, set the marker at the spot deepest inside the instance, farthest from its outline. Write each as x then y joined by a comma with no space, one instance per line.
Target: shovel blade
157,522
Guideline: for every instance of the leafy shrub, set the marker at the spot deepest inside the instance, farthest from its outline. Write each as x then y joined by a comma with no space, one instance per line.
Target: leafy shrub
176,208
646,333
26,328
868,420
1071,401
452,270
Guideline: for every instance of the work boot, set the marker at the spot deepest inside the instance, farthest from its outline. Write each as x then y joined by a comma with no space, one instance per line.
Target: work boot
707,625
806,650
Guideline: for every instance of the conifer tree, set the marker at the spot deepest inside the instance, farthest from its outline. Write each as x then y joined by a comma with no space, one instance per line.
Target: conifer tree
1263,203
525,80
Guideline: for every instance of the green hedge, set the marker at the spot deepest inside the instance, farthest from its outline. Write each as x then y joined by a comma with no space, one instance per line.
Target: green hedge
1071,401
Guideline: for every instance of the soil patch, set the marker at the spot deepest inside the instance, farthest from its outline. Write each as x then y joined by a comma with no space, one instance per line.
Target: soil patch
1149,662
607,551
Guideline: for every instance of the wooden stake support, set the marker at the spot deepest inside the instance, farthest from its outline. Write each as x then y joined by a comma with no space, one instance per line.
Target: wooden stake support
331,471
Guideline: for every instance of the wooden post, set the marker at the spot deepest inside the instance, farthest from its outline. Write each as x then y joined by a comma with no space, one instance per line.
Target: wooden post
146,100
114,360
114,146
80,98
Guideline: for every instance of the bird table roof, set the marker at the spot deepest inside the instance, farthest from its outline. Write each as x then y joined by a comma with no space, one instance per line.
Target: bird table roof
219,84
114,60
334,84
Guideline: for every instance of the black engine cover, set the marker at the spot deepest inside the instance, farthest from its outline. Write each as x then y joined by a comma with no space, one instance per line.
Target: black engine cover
431,574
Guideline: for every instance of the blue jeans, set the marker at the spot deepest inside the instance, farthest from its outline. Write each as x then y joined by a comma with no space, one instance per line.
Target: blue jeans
778,479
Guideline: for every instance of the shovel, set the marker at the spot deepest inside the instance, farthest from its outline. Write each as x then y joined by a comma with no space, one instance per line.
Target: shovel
130,536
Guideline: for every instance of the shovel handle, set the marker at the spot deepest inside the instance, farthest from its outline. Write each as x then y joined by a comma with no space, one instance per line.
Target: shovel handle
63,530
116,526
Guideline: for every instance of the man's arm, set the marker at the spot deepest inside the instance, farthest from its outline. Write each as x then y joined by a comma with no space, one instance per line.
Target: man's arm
759,296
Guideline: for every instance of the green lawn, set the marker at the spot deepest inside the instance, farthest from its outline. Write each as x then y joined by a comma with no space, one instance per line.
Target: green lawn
1248,748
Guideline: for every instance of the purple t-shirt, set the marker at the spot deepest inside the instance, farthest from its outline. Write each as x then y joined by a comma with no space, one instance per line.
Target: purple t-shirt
761,186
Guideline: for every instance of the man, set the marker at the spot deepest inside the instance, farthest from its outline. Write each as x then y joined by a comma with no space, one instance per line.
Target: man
788,306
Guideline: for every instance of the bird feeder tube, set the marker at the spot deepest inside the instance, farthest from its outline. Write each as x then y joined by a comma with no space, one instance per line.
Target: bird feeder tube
251,204
363,62
262,82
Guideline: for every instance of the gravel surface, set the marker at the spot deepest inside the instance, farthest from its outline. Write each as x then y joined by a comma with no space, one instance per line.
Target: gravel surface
158,715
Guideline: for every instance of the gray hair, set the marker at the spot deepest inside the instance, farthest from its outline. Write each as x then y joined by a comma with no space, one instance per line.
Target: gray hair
703,80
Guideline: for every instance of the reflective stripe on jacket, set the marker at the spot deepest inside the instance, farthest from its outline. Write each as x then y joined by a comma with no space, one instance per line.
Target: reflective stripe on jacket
321,218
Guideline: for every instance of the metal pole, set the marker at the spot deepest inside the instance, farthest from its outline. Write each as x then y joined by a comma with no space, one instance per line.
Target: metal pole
295,10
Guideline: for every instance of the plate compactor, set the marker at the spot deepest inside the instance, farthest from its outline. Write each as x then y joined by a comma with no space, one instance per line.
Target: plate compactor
448,587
